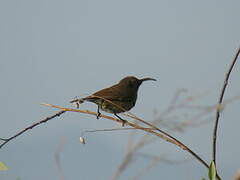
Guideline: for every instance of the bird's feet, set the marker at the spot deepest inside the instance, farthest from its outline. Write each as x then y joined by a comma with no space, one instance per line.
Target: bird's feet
98,115
77,102
123,122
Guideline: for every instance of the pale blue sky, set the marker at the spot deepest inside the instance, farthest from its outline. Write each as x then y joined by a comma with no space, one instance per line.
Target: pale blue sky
54,50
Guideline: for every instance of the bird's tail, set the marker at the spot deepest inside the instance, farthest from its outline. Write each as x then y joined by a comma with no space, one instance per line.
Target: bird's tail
77,102
80,101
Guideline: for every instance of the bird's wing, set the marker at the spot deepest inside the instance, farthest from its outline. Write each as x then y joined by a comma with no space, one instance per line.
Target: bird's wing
112,94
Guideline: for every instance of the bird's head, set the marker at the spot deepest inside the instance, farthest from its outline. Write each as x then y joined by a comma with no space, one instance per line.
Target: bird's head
132,82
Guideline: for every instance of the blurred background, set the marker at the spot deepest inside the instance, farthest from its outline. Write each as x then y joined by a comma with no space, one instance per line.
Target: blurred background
54,50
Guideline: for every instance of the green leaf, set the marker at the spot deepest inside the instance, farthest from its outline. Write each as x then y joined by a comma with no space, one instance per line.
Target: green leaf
3,167
212,171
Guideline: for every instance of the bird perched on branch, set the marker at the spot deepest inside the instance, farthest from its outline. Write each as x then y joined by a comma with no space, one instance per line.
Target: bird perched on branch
118,98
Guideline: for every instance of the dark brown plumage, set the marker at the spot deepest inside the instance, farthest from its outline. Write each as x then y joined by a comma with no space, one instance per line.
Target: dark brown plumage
118,98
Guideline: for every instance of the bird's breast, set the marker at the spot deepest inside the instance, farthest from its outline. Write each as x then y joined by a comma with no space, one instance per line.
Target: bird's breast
117,106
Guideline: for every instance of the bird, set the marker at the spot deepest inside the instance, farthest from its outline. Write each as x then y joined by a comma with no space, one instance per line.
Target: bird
116,99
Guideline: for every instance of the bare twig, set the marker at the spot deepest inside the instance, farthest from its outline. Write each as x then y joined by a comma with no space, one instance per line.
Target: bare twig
149,130
162,134
6,140
111,129
174,106
220,105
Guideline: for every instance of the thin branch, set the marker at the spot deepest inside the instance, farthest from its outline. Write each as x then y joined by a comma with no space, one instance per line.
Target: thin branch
109,130
162,134
220,104
6,140
173,106
149,130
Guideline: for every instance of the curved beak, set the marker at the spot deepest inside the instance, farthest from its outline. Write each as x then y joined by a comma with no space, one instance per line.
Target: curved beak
147,79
